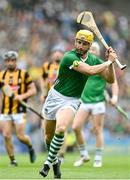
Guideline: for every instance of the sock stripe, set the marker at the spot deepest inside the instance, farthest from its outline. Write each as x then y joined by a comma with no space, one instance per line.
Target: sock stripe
53,151
57,139
56,143
51,155
59,136
55,146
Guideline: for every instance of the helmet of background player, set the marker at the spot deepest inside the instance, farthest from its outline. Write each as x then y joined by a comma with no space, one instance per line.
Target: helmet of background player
10,55
57,53
85,35
95,49
10,59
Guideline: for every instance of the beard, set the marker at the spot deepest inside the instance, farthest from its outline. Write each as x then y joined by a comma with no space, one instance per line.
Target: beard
81,52
11,68
57,61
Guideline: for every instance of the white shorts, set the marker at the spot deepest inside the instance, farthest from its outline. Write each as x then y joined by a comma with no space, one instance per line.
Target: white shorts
94,108
16,118
55,102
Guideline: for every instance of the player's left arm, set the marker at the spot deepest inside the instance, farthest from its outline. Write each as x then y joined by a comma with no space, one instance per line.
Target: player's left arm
31,91
109,74
115,92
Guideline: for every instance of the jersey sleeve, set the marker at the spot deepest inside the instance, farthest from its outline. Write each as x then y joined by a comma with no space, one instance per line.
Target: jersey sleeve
0,79
28,79
45,68
68,59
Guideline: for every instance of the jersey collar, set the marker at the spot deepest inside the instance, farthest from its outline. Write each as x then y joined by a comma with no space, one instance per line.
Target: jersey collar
83,60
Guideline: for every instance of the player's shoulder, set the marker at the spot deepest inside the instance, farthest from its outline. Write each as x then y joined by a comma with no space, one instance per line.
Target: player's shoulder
46,64
22,70
2,72
70,54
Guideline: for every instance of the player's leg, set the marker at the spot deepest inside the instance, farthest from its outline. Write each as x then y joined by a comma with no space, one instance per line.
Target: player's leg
48,127
98,123
49,130
7,130
62,109
77,126
62,124
20,125
62,151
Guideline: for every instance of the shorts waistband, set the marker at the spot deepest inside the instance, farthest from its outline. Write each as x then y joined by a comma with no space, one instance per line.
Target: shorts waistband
62,96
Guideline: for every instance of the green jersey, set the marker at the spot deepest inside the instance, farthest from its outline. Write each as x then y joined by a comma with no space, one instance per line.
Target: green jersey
70,82
94,90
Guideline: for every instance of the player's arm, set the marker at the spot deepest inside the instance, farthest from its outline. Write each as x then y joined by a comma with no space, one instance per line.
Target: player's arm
43,83
109,74
31,89
115,92
97,69
0,80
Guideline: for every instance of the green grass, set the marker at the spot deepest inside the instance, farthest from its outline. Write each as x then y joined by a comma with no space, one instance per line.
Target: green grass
115,166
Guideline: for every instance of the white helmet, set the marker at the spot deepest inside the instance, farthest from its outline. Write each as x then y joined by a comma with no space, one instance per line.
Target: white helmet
11,55
95,48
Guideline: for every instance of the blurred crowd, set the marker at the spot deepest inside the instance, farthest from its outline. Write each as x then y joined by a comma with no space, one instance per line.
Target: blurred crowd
34,28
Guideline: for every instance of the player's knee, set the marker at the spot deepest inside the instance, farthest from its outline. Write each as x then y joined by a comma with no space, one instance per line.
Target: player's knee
97,131
76,129
48,137
7,135
20,136
61,129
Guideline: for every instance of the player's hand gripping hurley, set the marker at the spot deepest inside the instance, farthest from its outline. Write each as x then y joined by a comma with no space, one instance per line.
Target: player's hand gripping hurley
8,92
118,107
86,18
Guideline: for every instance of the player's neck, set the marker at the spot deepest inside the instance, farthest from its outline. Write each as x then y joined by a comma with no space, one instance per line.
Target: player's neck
84,56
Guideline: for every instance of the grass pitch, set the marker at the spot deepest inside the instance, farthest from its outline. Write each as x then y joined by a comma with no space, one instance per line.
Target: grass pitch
115,166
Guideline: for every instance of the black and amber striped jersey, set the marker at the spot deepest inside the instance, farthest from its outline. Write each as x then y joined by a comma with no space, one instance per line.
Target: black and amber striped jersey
50,71
18,81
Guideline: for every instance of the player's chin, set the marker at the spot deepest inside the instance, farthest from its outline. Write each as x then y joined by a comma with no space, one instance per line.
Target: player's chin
79,52
11,68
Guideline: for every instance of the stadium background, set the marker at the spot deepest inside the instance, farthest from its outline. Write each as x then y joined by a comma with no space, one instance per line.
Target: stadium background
34,27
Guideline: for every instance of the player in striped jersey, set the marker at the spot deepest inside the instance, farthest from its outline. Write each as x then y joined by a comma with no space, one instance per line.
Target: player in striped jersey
50,70
13,114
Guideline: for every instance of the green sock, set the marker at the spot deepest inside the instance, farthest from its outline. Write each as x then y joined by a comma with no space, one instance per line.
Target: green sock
55,146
